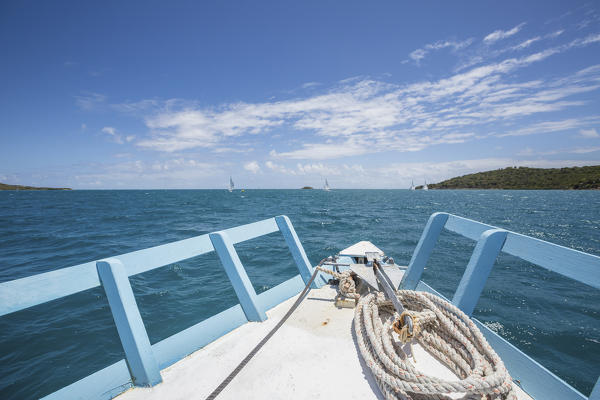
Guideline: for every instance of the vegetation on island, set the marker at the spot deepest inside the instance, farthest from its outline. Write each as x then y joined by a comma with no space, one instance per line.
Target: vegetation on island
307,187
527,178
4,186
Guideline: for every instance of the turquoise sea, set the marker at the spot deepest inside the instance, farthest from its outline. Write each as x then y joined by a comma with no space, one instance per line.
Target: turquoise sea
553,319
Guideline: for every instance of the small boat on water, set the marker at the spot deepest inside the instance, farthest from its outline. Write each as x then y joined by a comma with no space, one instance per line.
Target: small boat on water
412,185
326,187
356,325
231,185
425,187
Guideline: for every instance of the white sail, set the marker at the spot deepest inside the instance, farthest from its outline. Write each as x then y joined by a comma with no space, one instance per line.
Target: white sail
425,187
326,187
412,185
231,185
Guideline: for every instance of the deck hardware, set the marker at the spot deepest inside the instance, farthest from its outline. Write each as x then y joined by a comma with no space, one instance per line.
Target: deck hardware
404,320
388,289
337,264
386,285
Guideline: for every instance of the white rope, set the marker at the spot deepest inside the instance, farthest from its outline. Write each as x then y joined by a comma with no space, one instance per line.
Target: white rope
444,331
440,328
347,287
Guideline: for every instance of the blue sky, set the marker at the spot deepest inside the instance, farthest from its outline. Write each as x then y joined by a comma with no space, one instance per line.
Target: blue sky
285,94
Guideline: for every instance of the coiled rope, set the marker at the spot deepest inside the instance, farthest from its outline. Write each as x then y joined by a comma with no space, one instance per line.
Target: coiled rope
347,286
440,328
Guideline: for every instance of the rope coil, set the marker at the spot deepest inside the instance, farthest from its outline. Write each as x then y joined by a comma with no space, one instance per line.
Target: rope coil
440,328
444,331
347,286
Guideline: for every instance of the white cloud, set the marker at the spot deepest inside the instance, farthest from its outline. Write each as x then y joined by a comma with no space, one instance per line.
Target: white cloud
190,128
112,132
322,151
109,130
526,43
585,150
500,34
115,136
593,38
419,54
354,169
310,84
252,166
361,116
138,106
555,34
589,133
317,169
89,100
231,150
553,126
123,155
280,168
578,150
167,173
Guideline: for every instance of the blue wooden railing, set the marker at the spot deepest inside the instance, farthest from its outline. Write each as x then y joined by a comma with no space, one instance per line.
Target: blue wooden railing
143,361
536,380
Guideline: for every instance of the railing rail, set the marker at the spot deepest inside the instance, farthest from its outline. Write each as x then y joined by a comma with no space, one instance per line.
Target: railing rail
143,361
37,289
583,267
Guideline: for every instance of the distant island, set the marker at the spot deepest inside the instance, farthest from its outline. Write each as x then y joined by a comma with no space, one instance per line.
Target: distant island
307,187
576,178
4,186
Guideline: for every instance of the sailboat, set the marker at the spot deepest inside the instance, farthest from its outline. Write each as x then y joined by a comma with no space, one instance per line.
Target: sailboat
231,185
412,185
326,187
425,186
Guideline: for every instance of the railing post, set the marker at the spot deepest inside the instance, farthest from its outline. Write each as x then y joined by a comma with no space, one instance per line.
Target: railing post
295,246
429,237
134,338
237,276
478,269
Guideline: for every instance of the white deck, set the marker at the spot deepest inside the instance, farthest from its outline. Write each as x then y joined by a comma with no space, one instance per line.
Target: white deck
360,249
313,355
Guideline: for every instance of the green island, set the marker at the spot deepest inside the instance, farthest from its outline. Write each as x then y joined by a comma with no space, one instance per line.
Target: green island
576,178
307,187
4,186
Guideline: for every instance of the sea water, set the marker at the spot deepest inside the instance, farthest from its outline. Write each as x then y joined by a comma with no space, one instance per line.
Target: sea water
42,349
